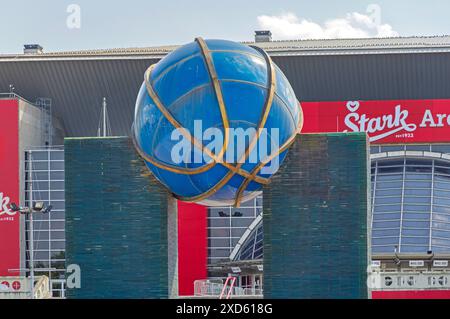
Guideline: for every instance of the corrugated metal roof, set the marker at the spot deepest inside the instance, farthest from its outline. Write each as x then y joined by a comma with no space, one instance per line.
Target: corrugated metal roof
353,43
320,46
77,89
78,85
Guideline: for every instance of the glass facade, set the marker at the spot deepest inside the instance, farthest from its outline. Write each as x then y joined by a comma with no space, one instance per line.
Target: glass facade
44,171
411,205
252,248
226,225
438,148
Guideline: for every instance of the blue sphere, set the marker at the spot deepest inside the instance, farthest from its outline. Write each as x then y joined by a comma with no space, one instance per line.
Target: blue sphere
214,119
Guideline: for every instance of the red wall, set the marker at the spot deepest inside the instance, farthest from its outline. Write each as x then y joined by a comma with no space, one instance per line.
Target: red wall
9,187
192,246
386,122
411,294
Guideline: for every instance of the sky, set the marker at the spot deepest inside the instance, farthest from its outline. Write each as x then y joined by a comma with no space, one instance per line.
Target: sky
60,25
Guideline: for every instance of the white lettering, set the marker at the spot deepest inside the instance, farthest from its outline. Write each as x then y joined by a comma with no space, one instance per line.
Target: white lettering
362,123
441,118
428,118
4,209
350,124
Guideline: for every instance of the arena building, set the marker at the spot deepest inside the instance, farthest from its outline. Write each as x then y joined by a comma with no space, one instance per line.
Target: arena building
396,89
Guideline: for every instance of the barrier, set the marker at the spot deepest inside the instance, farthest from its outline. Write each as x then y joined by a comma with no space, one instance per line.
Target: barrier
20,288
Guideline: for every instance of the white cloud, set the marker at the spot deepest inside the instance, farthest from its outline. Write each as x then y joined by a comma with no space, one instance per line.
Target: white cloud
354,25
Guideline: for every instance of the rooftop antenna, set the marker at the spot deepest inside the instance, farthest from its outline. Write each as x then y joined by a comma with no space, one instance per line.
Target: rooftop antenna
11,90
104,126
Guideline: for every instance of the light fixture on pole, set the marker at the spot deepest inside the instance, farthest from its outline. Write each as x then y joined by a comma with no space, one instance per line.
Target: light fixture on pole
38,207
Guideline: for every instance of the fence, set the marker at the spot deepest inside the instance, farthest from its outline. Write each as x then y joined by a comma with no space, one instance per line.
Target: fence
213,288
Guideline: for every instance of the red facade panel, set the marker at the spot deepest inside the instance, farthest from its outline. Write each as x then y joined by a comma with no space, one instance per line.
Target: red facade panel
192,246
9,187
411,294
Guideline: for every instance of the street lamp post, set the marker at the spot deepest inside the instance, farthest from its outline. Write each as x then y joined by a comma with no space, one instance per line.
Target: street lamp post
37,207
30,178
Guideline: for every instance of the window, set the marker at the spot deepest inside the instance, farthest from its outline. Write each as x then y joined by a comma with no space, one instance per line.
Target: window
44,171
252,248
412,204
226,225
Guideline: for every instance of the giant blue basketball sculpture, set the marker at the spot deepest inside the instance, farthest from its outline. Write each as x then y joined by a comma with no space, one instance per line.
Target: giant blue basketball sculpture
205,88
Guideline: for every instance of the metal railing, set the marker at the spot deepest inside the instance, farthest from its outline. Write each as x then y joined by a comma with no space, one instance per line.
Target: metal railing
17,287
58,288
253,292
214,288
12,95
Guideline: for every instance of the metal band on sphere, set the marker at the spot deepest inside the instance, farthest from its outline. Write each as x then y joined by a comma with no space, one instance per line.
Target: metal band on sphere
227,87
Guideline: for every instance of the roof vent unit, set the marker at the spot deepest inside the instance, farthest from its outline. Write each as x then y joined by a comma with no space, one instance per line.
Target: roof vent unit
33,49
263,36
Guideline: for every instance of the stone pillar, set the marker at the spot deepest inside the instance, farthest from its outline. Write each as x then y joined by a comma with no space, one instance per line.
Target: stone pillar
172,243
117,222
315,219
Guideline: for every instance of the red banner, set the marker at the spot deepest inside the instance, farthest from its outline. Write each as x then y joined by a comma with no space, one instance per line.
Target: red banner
386,122
411,294
9,187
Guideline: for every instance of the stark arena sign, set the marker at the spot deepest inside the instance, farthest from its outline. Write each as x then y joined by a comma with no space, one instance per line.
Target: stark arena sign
386,122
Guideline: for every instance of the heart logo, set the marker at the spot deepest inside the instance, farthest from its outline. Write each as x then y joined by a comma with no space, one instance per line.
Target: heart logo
353,106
